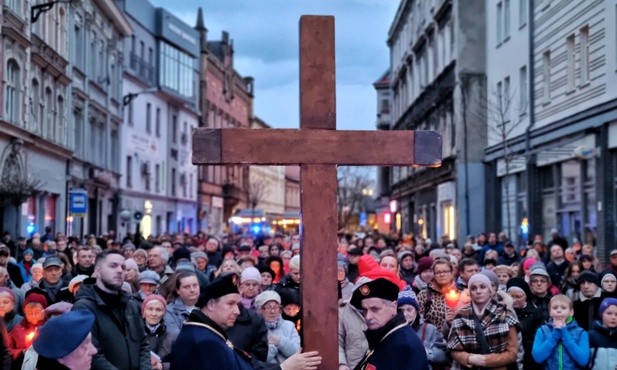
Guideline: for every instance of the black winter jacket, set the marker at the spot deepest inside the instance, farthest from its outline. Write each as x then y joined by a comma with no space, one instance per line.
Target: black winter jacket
118,332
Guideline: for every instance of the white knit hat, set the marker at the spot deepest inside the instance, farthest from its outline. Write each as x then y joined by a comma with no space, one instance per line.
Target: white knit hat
267,296
250,273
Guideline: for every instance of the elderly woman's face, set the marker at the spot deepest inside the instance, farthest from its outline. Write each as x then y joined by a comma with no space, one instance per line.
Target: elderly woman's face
409,312
520,299
37,274
6,304
154,312
295,275
270,311
480,292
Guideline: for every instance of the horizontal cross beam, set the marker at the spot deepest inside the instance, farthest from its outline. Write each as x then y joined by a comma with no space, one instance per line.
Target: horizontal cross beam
293,147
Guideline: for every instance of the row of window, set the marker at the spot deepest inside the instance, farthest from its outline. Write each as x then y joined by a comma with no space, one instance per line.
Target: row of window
503,19
571,64
145,171
47,113
176,70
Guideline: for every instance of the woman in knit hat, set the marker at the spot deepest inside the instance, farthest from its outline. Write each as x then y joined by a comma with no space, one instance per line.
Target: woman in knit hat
603,337
7,308
283,338
22,335
530,317
425,274
484,333
608,283
153,311
433,304
433,340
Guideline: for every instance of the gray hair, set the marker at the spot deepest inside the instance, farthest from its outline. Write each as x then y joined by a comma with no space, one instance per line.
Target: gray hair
164,253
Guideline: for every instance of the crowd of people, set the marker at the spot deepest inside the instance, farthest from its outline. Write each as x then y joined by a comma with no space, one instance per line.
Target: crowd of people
233,302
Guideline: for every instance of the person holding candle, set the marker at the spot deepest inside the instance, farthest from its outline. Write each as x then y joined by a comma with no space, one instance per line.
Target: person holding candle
484,332
22,335
440,298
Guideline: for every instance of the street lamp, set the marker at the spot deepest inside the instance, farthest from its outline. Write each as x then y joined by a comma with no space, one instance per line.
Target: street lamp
37,10
393,209
128,98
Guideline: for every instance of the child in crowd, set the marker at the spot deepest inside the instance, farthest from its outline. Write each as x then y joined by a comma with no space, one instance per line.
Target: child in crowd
561,343
603,337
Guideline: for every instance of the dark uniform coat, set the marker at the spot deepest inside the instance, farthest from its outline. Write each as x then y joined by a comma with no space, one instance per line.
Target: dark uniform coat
395,346
203,345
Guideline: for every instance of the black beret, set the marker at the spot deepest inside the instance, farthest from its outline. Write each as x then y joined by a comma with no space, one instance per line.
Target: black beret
355,251
378,288
589,276
227,284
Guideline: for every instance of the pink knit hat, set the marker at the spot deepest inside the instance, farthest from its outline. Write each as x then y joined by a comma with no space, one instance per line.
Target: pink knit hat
153,297
528,263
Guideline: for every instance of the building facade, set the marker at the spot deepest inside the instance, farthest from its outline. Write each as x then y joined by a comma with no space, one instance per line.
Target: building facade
226,101
560,170
160,98
437,79
42,84
97,33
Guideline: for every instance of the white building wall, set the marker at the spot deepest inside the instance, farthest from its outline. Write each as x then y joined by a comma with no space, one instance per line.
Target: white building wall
507,64
273,201
569,91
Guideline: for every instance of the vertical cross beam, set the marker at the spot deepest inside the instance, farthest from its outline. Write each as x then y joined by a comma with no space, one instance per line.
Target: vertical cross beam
318,187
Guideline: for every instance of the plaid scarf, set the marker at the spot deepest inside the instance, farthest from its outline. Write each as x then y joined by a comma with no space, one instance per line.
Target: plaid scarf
496,322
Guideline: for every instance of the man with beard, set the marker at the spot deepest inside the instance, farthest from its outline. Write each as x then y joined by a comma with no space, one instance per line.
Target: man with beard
118,333
392,343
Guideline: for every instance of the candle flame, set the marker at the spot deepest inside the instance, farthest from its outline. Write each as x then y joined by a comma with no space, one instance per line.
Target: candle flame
30,336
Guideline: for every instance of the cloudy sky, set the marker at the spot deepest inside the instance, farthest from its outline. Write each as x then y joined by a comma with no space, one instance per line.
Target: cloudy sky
265,36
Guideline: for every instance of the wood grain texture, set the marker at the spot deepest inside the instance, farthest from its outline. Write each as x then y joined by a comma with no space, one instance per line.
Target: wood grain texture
318,262
292,146
317,73
427,149
207,144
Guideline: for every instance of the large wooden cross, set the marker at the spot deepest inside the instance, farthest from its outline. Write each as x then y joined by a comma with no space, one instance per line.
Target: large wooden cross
318,148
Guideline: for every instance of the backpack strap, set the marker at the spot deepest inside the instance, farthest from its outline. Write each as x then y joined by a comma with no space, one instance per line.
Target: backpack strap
423,332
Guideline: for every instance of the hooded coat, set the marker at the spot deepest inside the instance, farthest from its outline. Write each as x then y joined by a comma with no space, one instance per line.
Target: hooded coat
603,344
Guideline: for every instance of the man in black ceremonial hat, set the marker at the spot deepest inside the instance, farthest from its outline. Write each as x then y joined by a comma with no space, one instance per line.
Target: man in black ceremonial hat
392,342
203,345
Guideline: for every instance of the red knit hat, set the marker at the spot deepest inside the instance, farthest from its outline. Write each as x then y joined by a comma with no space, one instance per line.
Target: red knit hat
153,297
368,267
424,263
36,298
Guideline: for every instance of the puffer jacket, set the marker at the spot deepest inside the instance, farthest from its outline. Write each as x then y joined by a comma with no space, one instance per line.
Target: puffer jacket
603,344
548,347
352,343
433,341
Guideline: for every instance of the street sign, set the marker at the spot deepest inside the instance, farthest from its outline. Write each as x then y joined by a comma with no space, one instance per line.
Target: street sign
138,216
78,202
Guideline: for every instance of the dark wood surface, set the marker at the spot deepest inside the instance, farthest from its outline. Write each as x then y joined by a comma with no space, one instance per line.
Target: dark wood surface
293,146
318,184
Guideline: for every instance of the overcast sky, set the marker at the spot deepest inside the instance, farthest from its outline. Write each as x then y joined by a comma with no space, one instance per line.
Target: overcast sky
265,36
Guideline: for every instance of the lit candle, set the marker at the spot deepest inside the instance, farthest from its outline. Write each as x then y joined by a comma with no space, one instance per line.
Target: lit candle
30,337
452,297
